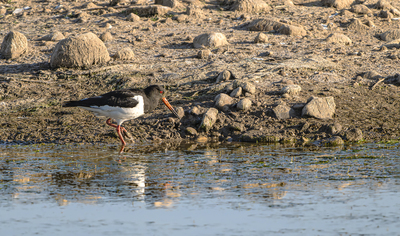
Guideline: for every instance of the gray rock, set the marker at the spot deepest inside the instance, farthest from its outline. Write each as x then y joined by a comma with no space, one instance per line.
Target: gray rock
321,108
283,112
191,131
133,17
333,141
124,54
258,136
180,111
235,126
261,38
386,14
195,111
354,135
83,50
223,76
210,40
244,104
360,9
14,45
335,128
236,92
209,119
222,100
248,87
105,37
204,54
168,3
390,35
291,89
55,36
338,38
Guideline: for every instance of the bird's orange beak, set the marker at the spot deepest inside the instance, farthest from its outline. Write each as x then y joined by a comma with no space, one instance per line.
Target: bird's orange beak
165,101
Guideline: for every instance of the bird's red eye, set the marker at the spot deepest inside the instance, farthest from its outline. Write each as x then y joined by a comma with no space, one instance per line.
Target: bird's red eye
161,91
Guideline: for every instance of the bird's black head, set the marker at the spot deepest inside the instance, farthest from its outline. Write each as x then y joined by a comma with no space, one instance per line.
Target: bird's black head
156,91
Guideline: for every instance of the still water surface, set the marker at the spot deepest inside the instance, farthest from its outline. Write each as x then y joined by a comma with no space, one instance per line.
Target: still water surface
200,189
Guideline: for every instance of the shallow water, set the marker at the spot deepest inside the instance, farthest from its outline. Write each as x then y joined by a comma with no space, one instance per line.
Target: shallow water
200,189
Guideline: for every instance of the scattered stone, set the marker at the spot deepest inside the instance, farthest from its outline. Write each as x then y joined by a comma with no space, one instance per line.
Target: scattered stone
392,44
181,18
14,45
82,17
386,14
222,100
55,36
191,131
244,104
333,141
261,38
204,54
337,38
373,75
360,9
283,112
272,25
181,112
201,139
223,76
83,50
250,6
390,35
124,54
105,37
209,119
235,126
133,17
292,30
257,136
354,135
236,92
291,89
3,10
168,3
357,25
395,12
370,23
248,87
383,4
195,111
90,5
210,40
335,128
148,11
119,2
339,4
195,11
321,108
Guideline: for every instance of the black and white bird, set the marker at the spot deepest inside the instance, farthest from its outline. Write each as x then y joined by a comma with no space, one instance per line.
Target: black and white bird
122,105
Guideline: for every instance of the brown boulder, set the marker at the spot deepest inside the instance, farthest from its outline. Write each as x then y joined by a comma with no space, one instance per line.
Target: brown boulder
82,50
14,45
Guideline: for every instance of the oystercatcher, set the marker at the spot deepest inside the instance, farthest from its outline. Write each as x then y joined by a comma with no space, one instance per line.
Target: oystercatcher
123,105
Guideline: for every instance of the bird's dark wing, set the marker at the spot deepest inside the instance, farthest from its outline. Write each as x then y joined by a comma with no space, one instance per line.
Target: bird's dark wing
120,98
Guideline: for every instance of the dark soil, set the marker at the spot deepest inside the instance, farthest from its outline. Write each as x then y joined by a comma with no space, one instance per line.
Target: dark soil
31,93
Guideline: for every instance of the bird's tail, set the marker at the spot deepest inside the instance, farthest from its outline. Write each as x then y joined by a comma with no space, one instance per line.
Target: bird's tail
72,104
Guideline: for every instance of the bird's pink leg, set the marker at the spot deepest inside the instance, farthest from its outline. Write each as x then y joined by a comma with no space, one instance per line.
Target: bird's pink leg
114,125
121,138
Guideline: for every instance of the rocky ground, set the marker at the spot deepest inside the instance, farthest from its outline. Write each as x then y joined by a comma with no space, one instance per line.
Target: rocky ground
277,55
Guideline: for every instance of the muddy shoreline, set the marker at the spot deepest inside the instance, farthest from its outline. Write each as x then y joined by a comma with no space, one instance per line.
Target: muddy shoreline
360,77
